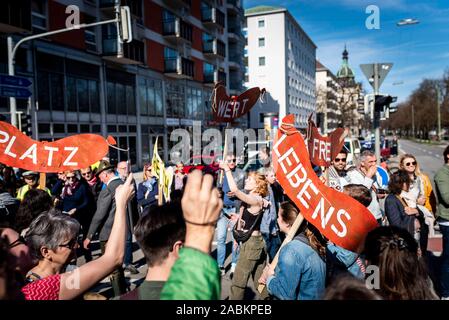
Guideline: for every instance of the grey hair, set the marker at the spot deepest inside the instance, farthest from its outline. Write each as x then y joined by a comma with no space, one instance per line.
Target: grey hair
365,154
50,229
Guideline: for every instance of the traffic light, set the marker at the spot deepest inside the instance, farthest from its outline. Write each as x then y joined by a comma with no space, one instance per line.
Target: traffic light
381,103
25,124
126,34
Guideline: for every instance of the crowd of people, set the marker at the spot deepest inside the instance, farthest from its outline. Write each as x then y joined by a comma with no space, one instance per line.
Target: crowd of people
45,227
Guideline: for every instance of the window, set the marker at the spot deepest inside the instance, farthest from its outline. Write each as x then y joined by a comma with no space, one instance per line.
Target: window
261,42
261,23
90,34
261,61
39,16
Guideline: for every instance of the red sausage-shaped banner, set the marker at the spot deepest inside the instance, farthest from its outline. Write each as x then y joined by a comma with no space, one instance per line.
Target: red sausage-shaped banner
71,153
227,109
340,218
323,150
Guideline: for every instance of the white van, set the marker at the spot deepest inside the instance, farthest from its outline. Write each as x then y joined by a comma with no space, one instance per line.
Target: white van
352,146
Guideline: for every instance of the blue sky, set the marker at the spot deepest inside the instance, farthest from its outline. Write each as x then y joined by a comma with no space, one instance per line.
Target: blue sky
417,51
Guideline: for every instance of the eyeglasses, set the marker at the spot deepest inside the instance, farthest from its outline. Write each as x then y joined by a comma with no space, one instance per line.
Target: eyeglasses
340,160
86,173
408,164
20,240
71,244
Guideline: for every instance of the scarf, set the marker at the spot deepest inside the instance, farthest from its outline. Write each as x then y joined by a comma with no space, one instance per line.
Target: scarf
92,181
149,183
69,189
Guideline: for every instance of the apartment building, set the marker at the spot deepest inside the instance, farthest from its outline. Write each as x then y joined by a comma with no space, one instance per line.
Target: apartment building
164,80
328,99
280,57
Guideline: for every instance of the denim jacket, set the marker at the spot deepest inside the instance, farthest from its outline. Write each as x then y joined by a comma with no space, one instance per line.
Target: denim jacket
348,258
300,273
268,225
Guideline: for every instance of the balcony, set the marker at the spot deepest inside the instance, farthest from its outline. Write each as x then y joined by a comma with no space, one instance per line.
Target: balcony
177,4
234,7
108,3
176,30
214,48
212,17
133,52
178,67
235,34
235,61
210,78
15,16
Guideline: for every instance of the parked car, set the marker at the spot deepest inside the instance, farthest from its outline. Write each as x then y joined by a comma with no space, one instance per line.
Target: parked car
352,146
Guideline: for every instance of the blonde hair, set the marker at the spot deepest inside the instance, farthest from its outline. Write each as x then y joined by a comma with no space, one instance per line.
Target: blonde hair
147,175
261,183
405,156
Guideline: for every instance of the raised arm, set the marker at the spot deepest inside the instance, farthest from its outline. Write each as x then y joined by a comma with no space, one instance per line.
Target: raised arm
195,275
78,281
248,199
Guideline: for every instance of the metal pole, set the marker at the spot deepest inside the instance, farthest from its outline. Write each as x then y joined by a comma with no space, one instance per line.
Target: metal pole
413,120
12,100
12,49
438,114
376,115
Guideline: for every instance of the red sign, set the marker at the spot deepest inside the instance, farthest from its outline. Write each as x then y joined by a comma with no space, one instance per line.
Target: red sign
227,109
323,150
71,153
340,218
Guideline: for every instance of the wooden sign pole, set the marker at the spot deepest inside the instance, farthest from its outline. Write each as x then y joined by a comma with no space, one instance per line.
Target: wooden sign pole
42,180
291,234
225,152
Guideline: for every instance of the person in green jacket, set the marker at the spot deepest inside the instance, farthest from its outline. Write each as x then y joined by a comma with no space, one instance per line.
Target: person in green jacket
442,191
195,274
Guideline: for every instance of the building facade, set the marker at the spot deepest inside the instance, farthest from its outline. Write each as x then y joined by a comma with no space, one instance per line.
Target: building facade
351,97
164,81
328,99
280,57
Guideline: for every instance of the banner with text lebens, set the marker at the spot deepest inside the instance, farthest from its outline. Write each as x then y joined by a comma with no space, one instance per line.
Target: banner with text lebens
323,150
227,109
71,153
340,218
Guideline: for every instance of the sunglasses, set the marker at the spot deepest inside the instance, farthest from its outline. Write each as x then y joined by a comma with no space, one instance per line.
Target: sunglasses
408,164
340,160
71,244
232,160
71,177
86,173
20,240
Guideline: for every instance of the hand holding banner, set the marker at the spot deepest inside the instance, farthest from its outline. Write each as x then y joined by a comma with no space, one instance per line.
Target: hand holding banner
337,216
323,150
71,153
227,109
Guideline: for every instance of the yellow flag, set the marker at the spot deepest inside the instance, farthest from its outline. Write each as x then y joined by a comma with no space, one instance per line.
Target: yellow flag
157,163
168,180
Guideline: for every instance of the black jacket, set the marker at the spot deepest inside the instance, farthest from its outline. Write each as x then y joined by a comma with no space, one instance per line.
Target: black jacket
104,215
395,211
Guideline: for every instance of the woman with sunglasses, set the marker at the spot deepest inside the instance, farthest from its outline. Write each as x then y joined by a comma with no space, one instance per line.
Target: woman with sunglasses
147,190
400,214
53,238
421,194
77,202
